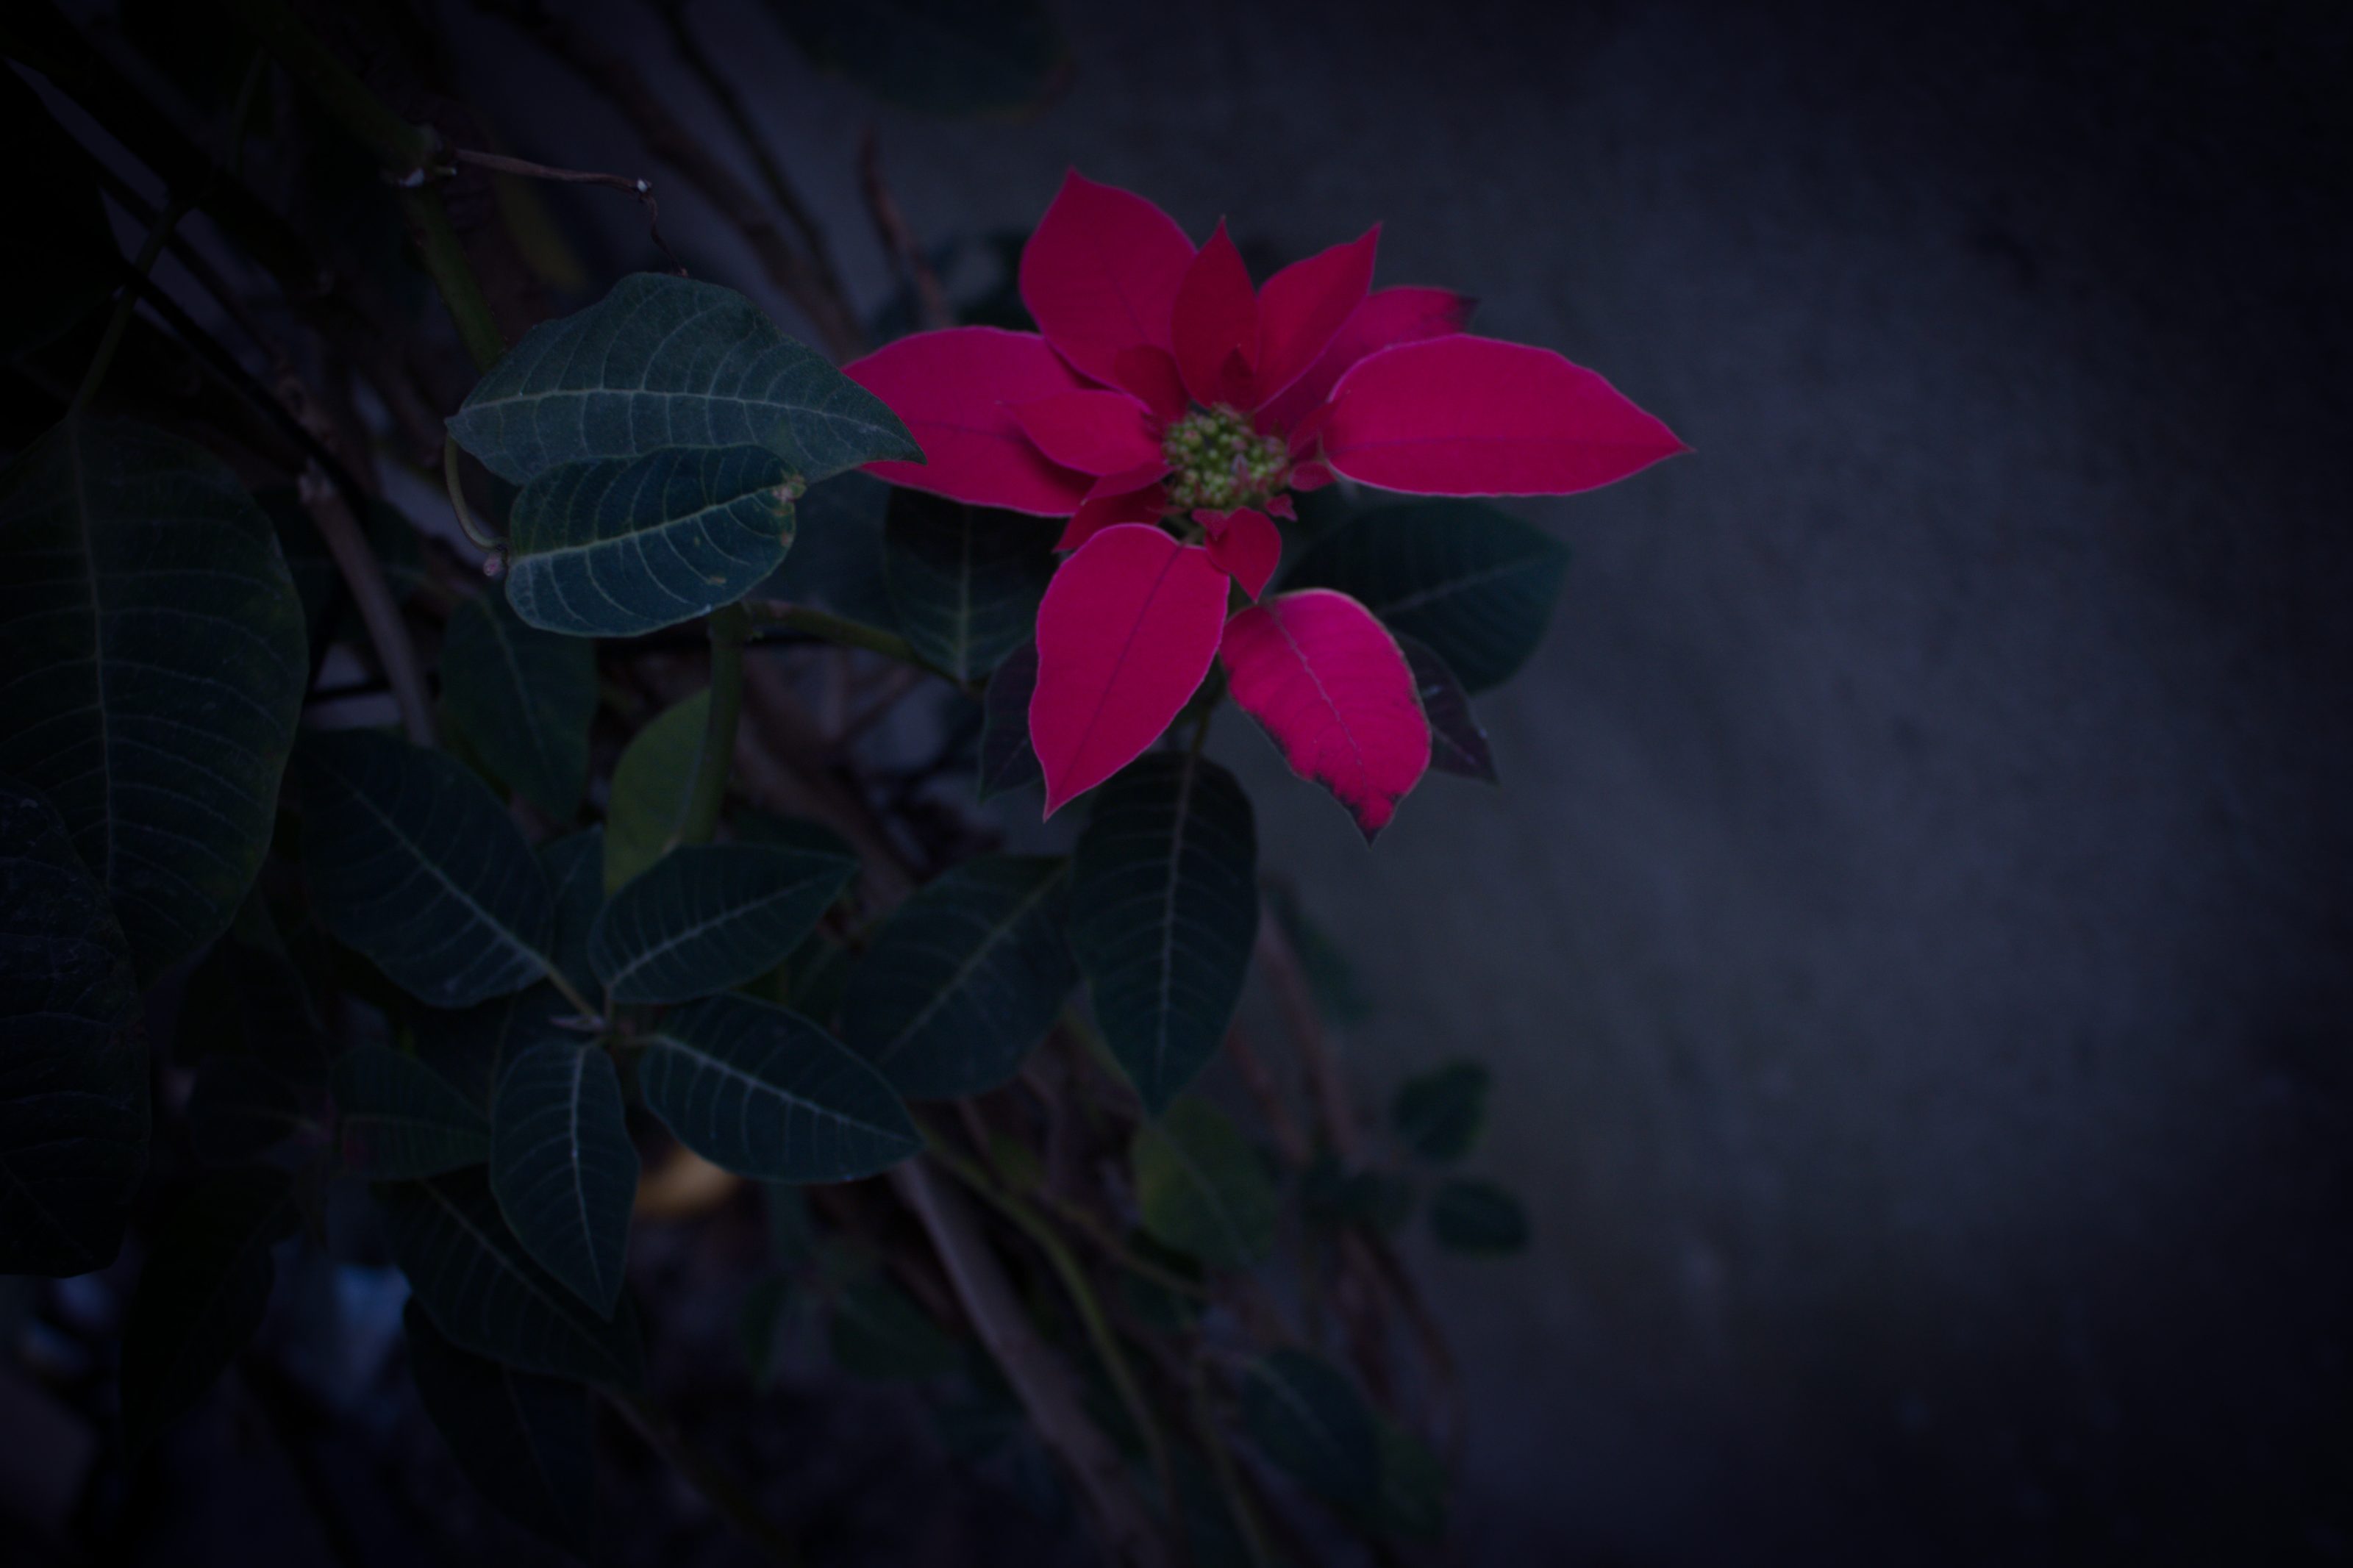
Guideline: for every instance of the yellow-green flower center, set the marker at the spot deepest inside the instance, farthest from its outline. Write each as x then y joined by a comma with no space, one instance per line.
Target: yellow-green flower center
1216,460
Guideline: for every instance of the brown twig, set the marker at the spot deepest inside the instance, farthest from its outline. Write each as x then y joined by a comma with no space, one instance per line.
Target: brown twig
499,164
898,239
613,75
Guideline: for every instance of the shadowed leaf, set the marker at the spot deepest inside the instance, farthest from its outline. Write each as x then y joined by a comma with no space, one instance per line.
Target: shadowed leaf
1457,744
575,865
200,1296
1478,1217
1202,1189
398,1119
522,1439
651,785
965,580
563,1167
836,556
1307,1416
523,698
1008,761
1439,1114
708,916
240,1109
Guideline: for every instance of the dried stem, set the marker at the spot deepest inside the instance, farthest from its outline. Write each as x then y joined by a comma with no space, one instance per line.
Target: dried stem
898,239
371,596
499,162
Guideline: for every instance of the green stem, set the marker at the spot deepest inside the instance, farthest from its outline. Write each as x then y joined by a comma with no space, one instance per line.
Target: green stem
483,538
838,629
1090,1310
704,1475
730,627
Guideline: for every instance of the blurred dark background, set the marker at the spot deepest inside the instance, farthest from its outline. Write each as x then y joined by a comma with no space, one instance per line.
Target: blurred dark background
1916,938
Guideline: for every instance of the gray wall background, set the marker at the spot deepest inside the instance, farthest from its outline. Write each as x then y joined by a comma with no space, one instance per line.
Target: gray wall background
1914,938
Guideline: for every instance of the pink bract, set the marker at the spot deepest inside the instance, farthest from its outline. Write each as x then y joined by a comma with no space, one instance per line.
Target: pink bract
1164,398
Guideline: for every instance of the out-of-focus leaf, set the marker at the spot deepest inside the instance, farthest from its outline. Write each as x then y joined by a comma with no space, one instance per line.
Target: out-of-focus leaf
663,363
521,1438
1476,585
247,999
1370,1200
398,1119
767,1094
60,268
1457,744
471,1048
563,1167
485,1295
1439,1115
879,1332
1202,1188
708,916
317,579
1008,761
965,580
1478,1217
200,1296
413,863
837,557
1413,1487
651,785
1339,995
1307,1416
964,977
1164,911
523,698
73,1063
154,661
616,547
940,57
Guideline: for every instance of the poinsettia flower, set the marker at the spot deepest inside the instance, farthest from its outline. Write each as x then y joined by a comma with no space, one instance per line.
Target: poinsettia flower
1163,394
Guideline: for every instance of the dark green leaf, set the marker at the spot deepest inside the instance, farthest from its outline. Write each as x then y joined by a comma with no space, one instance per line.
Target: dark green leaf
942,57
1478,1217
792,833
1413,1487
522,1440
563,1167
317,580
240,1109
200,1296
486,1296
413,862
1371,1200
837,558
1457,744
60,267
1163,909
1475,584
965,579
524,698
652,783
575,865
153,657
472,1047
666,362
1007,760
1157,1306
708,916
879,1332
1202,1189
964,977
1439,1114
619,546
247,999
767,1094
1307,1416
398,1119
73,1062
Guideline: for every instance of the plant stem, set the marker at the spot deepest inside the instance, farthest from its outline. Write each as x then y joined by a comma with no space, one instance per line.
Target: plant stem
371,596
717,1487
838,629
730,627
480,536
453,275
1222,1465
117,323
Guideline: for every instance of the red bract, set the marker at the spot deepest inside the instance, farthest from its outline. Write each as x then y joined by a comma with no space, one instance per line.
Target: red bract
1163,395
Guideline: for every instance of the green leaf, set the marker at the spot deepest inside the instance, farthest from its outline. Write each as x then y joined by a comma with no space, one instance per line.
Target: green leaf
767,1094
523,698
471,1048
1373,1200
708,916
398,1120
797,833
665,362
242,1109
247,999
1457,744
1202,1188
522,1439
1478,1217
940,57
73,1058
965,580
152,657
837,558
1308,1417
1163,909
575,865
63,266
1475,584
200,1296
620,546
652,784
563,1167
1439,1114
879,1332
413,863
484,1293
964,977
1413,1487
1008,761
